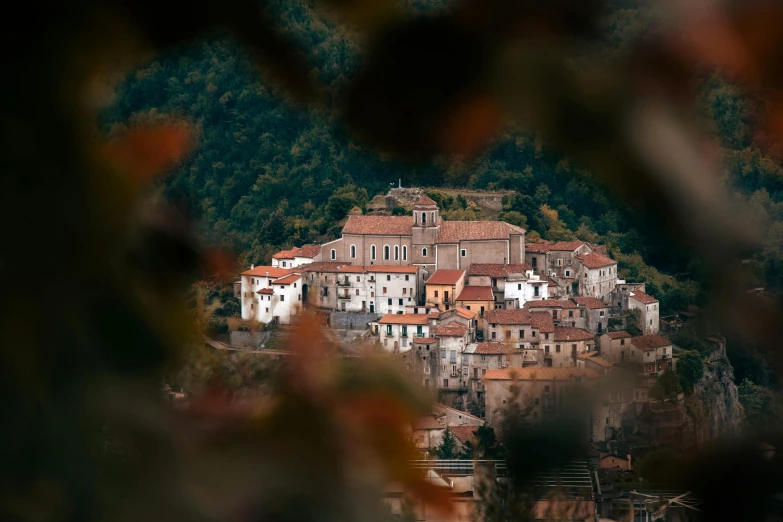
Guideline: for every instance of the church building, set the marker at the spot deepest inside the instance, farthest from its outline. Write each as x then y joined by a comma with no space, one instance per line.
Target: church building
425,240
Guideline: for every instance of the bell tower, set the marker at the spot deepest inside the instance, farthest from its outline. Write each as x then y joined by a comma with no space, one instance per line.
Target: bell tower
426,225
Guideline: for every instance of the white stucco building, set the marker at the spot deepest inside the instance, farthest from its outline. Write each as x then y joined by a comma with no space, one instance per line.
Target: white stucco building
596,275
256,293
297,256
396,331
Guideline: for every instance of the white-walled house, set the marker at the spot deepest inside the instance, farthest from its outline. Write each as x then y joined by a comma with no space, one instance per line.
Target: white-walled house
452,340
287,298
596,275
648,307
396,331
519,290
295,257
255,296
382,289
397,287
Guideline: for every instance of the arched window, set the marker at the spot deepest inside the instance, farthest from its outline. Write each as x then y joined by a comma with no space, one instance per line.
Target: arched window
432,215
404,253
372,252
386,252
423,218
353,251
423,252
334,254
396,253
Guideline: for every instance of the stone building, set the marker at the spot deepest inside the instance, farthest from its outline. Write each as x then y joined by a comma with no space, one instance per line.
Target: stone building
564,312
423,239
615,346
478,299
544,390
648,308
597,276
595,313
528,331
568,343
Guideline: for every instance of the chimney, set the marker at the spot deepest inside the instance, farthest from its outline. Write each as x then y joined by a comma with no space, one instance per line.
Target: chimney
252,267
267,274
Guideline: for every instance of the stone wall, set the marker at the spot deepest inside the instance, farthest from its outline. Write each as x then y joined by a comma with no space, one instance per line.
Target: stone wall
249,340
351,321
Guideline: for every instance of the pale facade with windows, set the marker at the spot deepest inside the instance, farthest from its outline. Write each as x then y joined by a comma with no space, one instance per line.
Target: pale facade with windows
257,298
397,331
286,302
519,290
597,276
648,308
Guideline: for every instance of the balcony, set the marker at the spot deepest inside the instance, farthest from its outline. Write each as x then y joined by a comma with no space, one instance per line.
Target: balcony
344,282
344,297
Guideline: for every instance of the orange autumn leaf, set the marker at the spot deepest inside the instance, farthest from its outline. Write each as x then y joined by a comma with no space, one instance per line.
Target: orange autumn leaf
144,153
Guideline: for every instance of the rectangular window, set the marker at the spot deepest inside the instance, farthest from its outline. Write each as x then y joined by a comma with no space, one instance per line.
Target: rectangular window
388,329
404,291
357,291
390,301
519,286
384,289
508,334
546,389
521,334
407,277
445,383
557,348
358,279
494,336
400,302
436,293
533,333
282,298
535,291
570,313
601,313
463,252
622,342
388,277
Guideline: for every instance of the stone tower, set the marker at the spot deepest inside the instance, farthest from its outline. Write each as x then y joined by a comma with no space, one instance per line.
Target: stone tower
426,224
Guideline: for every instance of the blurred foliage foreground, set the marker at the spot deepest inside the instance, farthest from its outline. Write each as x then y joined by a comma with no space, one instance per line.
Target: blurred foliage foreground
93,282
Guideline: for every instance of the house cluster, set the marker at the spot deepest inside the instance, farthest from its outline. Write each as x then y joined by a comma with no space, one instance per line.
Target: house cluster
469,308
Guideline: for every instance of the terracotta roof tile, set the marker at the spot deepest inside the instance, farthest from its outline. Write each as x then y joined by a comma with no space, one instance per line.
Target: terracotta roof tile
622,334
594,260
464,433
476,293
452,330
650,342
323,266
464,312
540,320
379,225
270,271
266,291
403,319
445,277
287,280
537,248
491,348
424,340
643,298
550,303
434,314
600,361
285,254
497,269
425,201
349,269
569,333
456,231
309,251
541,374
590,302
426,422
566,246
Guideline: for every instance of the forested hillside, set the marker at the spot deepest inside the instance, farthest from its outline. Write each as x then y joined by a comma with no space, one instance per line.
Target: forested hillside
268,175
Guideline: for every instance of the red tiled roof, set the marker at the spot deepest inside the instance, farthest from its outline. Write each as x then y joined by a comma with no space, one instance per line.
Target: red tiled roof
464,433
491,348
424,340
434,314
622,334
323,266
464,312
599,249
569,333
594,260
643,298
445,277
540,374
550,303
513,316
348,269
287,280
266,291
452,330
566,246
379,225
456,231
476,293
650,342
264,271
309,251
285,254
497,269
393,269
600,361
590,302
537,248
403,319
542,321
303,251
425,201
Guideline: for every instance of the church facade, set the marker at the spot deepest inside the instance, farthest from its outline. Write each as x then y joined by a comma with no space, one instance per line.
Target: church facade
424,240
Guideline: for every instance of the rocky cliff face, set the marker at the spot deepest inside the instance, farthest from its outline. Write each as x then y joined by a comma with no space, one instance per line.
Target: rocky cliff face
714,410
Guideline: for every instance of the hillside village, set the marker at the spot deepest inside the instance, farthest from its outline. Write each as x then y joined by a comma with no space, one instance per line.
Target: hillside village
471,307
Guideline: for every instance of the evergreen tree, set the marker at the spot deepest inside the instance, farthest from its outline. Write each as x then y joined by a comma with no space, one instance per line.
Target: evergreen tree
447,449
